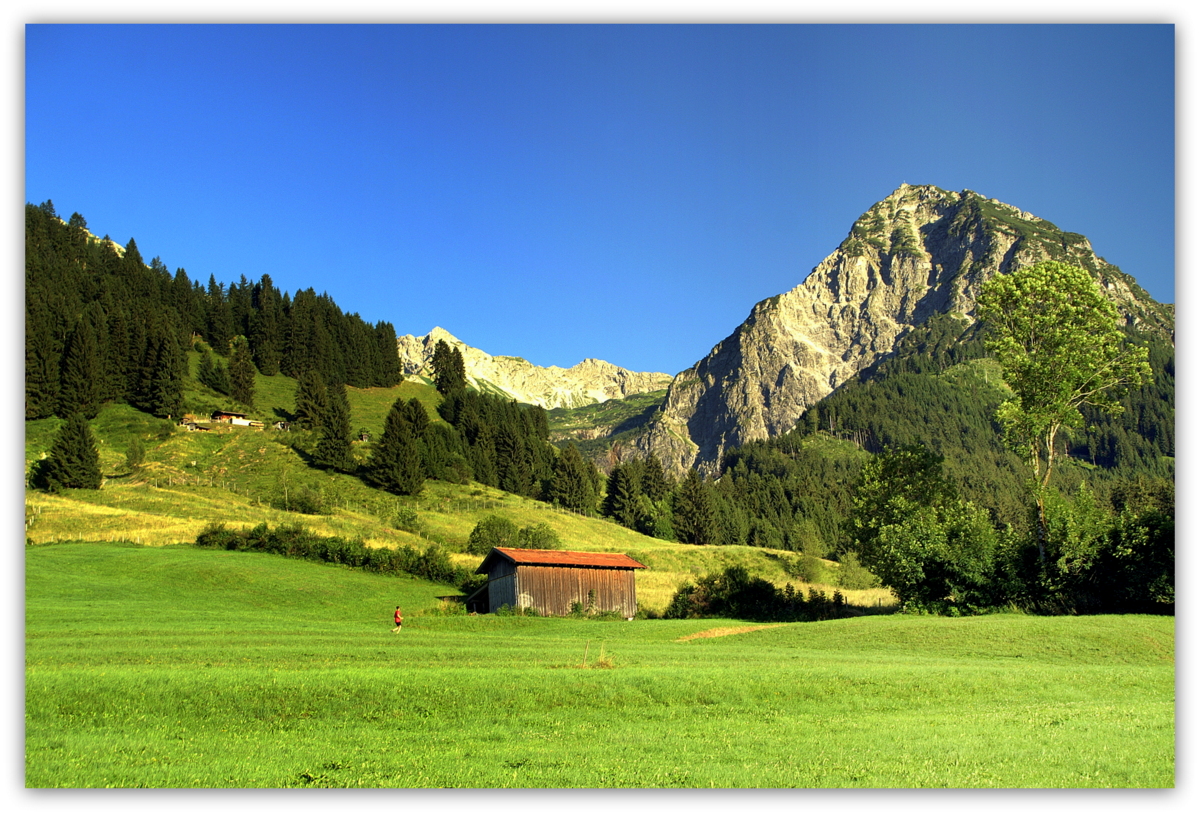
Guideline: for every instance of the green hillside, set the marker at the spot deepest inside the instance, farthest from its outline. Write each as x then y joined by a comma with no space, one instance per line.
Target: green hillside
242,477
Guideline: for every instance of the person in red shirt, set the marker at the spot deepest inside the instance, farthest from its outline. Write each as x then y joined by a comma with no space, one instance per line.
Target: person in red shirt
399,619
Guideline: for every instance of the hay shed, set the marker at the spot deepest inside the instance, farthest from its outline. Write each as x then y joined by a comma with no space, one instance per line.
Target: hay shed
550,581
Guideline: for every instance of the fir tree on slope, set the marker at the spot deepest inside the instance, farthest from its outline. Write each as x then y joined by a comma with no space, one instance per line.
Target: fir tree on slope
241,372
334,449
395,463
73,462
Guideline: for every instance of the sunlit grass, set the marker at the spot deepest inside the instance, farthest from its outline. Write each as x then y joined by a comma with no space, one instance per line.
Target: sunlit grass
178,667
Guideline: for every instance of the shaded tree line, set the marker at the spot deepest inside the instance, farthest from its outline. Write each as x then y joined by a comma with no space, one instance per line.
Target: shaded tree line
734,593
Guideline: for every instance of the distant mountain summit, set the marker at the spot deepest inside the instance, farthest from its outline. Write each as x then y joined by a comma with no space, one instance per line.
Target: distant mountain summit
589,382
919,252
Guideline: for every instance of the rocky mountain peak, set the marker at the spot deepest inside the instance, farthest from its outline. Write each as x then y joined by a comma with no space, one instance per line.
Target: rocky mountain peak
918,252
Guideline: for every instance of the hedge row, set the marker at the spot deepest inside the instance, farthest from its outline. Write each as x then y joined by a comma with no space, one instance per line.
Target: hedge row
295,541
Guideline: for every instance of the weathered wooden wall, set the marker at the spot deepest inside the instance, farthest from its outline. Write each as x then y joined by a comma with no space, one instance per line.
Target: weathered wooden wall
552,589
502,586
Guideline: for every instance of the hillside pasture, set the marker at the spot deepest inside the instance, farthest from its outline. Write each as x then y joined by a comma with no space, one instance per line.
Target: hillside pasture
179,667
241,476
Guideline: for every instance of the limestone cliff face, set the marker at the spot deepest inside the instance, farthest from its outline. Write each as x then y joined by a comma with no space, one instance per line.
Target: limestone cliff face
588,382
920,251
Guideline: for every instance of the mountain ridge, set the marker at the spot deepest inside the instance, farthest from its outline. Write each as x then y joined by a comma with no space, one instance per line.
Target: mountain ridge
590,381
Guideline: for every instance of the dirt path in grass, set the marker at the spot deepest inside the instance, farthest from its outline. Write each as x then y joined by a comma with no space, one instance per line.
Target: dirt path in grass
724,632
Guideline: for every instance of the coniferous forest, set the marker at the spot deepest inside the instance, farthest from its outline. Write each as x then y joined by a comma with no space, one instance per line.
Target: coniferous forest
103,325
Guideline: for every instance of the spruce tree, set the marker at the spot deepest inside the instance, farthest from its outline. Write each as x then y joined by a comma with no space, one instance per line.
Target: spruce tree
82,368
74,462
416,416
449,371
312,400
211,373
219,328
160,376
266,327
571,484
334,450
694,512
621,500
241,372
395,463
655,483
43,355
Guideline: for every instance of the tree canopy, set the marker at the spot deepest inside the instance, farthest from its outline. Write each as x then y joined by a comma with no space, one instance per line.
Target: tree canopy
1060,345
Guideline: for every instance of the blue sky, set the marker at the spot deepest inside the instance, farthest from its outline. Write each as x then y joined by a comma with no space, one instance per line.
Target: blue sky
562,192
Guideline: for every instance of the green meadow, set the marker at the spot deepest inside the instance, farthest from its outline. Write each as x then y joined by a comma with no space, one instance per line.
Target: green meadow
177,667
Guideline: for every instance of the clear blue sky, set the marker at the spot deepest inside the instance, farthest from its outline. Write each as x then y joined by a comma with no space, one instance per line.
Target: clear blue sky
562,192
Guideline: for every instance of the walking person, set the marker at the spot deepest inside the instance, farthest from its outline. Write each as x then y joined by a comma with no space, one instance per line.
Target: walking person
399,618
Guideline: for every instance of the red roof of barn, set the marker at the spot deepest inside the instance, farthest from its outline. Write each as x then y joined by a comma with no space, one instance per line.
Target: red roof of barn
554,557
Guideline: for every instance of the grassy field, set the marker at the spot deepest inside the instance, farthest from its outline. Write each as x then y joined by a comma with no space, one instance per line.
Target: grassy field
178,667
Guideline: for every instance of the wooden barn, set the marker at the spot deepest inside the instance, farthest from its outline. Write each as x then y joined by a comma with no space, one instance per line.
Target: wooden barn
550,581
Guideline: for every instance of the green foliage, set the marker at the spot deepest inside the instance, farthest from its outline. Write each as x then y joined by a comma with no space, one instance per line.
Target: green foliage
498,531
297,542
1059,343
396,461
507,442
305,497
334,450
492,531
573,482
312,400
83,375
449,370
694,512
538,536
213,373
909,527
135,454
853,575
123,326
734,593
241,372
73,463
794,491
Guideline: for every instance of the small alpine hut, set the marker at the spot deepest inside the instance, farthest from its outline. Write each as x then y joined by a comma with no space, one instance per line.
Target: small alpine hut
550,581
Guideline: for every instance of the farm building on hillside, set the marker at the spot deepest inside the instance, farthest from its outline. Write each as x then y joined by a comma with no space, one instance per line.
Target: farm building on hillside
226,416
550,581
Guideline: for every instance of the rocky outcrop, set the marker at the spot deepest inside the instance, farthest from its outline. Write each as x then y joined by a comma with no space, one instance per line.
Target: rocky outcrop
919,252
588,382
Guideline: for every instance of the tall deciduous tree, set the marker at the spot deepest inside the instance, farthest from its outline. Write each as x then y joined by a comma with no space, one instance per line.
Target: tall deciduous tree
1059,342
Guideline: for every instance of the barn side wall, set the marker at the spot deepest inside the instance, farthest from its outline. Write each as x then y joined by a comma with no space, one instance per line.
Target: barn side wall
502,588
552,589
